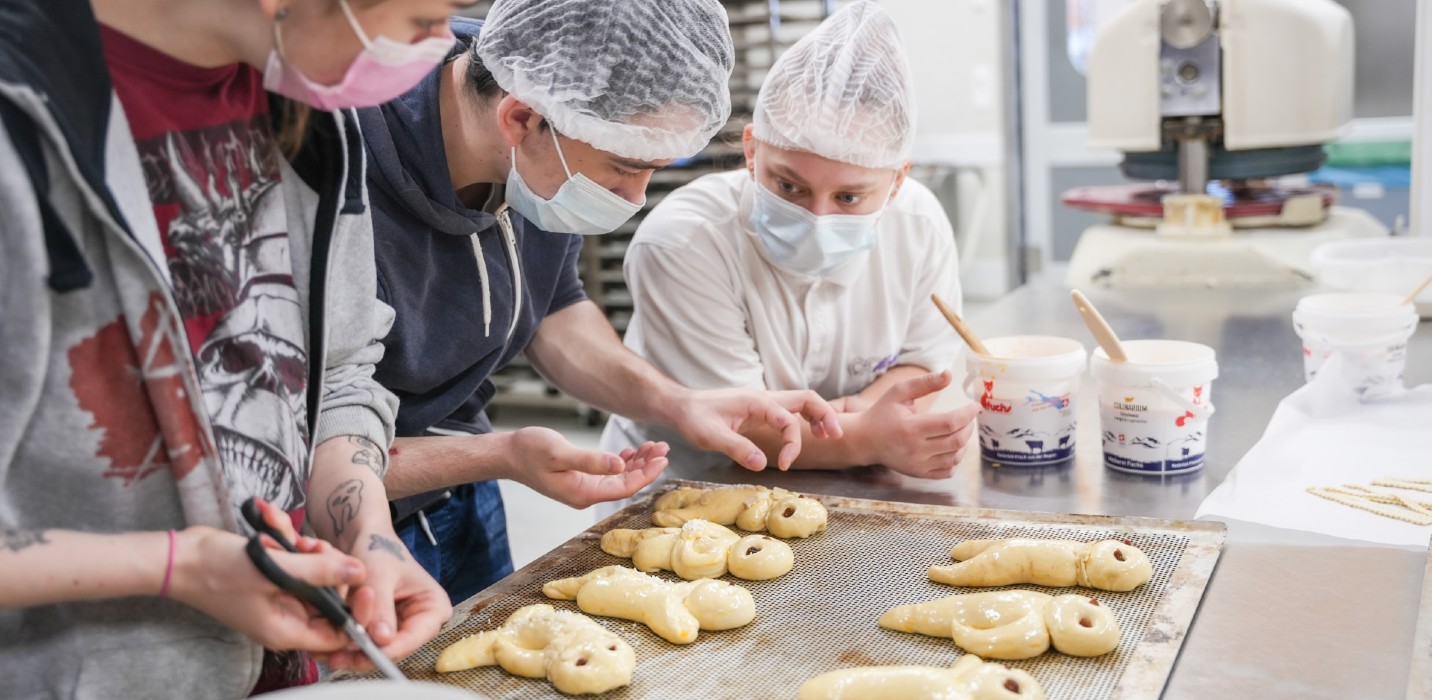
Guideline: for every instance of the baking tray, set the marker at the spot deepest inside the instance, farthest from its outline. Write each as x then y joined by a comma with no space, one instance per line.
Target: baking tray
822,615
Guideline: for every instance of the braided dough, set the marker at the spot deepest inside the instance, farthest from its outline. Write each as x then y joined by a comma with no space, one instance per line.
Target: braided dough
674,611
970,679
751,508
701,549
578,655
1012,624
1109,565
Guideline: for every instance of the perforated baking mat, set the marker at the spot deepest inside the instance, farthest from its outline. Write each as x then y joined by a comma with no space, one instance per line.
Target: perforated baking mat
822,615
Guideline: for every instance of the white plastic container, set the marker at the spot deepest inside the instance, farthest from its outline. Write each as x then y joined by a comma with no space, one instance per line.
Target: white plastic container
1370,331
1377,265
1154,409
1027,392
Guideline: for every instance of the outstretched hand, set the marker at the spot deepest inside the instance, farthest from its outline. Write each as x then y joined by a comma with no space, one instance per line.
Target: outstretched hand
716,420
544,460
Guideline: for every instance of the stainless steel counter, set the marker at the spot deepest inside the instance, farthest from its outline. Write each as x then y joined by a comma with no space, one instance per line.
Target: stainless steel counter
1287,614
1259,359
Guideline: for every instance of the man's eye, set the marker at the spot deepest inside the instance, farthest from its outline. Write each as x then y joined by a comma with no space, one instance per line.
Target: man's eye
848,200
787,187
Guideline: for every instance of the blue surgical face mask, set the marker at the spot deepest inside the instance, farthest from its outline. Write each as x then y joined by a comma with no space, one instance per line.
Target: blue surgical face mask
580,205
813,245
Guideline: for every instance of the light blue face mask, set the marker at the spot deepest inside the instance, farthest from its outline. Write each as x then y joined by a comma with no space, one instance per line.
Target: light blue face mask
812,245
580,205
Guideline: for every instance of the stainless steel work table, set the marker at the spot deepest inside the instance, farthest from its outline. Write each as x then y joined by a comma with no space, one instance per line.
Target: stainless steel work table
1287,614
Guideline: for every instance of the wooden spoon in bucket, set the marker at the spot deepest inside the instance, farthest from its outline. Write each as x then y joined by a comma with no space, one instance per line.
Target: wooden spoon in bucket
1413,296
965,332
1100,328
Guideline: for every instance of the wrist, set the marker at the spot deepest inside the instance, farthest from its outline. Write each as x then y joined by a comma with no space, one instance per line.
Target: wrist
187,577
858,444
670,404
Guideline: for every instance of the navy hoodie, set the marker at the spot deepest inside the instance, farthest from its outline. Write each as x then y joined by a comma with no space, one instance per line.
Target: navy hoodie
443,348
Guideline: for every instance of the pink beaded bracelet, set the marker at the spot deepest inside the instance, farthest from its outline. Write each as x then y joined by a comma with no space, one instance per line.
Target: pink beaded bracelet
168,568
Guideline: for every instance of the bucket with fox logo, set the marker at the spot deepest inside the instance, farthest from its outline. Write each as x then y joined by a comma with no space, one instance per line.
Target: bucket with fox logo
1154,409
1026,388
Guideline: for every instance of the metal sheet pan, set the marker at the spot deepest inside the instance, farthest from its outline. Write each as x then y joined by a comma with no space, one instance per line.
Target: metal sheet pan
822,615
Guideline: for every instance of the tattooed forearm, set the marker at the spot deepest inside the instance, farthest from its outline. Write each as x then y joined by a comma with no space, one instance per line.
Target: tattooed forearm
344,503
396,549
367,454
16,539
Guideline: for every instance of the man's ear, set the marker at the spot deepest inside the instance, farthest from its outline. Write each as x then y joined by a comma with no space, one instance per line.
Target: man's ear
900,176
748,144
515,120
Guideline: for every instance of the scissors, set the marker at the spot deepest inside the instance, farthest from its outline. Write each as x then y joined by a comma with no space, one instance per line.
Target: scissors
323,598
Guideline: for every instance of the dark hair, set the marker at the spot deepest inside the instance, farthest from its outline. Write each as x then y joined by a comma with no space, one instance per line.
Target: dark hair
292,126
479,80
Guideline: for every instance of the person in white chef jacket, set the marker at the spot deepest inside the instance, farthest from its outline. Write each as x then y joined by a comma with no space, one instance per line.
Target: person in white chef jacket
812,268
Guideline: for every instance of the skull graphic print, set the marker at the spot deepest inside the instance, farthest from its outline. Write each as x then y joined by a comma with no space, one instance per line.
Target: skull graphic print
216,196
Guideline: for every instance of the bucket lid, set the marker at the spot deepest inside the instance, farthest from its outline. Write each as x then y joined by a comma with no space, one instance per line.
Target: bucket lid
1177,363
1355,305
1029,358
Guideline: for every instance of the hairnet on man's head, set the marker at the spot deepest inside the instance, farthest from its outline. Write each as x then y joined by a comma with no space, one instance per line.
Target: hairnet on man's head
842,92
644,79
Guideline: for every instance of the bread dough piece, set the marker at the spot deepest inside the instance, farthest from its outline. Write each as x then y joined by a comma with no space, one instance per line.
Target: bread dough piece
578,655
971,678
1109,565
760,558
1012,624
701,549
674,611
751,508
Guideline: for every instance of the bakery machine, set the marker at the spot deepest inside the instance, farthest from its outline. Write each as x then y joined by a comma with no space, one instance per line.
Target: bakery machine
1213,103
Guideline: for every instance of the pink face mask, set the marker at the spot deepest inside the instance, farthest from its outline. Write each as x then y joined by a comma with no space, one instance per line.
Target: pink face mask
384,70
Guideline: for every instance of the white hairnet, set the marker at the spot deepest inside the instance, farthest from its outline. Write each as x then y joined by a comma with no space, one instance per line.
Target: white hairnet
644,79
842,92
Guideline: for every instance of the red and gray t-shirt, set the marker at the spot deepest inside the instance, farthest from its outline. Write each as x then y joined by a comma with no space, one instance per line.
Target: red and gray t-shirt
212,169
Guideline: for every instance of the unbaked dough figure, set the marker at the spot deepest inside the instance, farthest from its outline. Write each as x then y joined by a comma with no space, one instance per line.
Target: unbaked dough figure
701,549
674,611
971,678
750,508
578,655
1012,624
1109,565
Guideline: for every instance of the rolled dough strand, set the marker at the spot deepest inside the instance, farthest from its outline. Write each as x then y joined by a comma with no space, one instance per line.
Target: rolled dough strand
1400,484
1368,505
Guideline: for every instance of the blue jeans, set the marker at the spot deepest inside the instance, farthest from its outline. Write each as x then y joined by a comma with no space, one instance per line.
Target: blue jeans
471,531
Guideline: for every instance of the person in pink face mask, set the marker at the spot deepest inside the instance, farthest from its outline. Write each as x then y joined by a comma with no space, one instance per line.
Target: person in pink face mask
187,286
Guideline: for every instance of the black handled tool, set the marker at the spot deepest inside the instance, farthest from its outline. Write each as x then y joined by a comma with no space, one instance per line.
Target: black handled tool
325,599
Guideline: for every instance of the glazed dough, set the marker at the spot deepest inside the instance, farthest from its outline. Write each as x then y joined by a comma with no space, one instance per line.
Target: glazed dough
751,508
1012,624
701,549
970,679
674,611
1108,565
538,641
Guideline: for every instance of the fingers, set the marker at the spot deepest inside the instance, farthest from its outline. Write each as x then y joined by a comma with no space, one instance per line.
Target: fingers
823,418
277,519
422,610
942,425
908,390
328,567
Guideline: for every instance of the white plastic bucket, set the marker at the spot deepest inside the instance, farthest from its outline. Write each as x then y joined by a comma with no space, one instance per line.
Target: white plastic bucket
1027,392
1369,330
1154,409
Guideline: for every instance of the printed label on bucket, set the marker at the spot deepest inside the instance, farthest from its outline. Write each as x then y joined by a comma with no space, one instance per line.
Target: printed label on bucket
1036,428
1143,432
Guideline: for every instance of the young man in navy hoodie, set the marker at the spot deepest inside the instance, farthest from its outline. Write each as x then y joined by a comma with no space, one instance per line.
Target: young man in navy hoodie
545,123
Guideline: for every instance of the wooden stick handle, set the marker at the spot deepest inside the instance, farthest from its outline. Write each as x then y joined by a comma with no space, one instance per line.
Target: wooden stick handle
1100,328
970,338
1413,296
